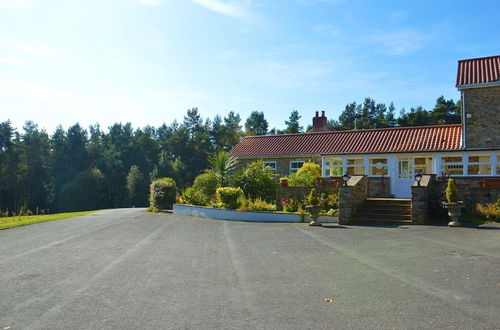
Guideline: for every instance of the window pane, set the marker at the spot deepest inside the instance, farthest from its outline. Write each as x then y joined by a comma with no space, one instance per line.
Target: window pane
483,169
333,161
270,166
333,171
454,169
477,159
355,170
355,161
453,159
378,161
378,166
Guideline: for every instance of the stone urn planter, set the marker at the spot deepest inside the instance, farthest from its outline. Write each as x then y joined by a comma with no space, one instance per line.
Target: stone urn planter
314,211
453,205
454,211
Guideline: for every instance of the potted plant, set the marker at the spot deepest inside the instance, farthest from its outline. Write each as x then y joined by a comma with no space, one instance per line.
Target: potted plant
284,182
452,203
313,207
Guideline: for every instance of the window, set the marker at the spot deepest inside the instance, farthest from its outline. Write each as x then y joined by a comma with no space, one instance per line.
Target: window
333,167
452,165
378,166
479,165
296,165
270,165
355,166
423,165
498,164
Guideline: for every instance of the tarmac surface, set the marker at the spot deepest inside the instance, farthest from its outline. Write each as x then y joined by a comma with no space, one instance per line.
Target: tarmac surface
127,269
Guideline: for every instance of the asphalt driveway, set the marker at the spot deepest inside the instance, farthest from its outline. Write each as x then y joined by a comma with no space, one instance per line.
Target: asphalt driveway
126,269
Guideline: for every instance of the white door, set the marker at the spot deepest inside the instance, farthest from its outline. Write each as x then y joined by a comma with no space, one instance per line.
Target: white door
404,177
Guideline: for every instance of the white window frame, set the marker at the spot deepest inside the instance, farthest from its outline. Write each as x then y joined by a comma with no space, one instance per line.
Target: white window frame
266,165
294,170
463,163
491,163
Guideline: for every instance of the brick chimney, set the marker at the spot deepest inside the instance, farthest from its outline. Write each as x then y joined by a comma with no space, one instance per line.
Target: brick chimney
320,124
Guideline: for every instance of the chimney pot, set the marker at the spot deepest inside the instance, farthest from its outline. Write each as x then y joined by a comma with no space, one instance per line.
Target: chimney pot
320,124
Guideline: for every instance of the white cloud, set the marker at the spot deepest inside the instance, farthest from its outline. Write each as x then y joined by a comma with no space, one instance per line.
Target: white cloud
400,42
38,50
152,3
19,4
233,9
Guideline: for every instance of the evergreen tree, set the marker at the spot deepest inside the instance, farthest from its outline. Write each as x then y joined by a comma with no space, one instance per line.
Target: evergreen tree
292,124
256,124
137,187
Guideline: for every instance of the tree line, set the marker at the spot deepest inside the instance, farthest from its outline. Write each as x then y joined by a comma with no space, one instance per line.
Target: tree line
82,169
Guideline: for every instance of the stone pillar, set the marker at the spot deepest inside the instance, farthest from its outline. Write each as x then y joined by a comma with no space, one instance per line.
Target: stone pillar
420,195
351,197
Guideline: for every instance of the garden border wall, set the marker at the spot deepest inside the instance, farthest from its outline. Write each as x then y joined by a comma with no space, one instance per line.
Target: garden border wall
249,216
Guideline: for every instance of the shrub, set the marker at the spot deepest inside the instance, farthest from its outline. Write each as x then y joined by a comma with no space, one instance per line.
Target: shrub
291,205
163,193
206,183
256,205
222,164
257,182
306,176
451,191
312,198
194,196
228,197
490,211
329,202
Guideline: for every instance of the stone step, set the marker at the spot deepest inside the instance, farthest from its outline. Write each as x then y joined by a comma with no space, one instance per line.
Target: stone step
384,216
375,221
401,211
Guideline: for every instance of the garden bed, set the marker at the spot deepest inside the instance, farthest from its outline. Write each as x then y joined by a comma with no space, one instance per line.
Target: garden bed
233,215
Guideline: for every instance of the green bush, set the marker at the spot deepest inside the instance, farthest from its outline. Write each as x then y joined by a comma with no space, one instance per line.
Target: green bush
256,205
206,183
312,198
490,211
306,176
257,182
194,196
163,193
451,191
228,197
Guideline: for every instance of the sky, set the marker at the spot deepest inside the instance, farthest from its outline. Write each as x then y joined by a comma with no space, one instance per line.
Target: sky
148,61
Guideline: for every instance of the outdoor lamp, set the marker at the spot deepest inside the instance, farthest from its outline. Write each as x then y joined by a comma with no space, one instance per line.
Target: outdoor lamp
418,178
346,178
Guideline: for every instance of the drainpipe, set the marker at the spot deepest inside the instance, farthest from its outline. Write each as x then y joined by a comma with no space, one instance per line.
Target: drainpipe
464,118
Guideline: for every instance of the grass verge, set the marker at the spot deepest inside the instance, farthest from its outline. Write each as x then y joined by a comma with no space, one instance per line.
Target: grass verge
10,222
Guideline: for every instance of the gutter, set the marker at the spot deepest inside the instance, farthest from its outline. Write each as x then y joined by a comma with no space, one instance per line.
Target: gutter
488,84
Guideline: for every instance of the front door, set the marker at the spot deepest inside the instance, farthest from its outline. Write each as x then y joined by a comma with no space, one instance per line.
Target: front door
404,177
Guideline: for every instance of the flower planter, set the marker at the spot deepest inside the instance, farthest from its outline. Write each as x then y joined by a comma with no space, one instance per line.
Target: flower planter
454,211
314,210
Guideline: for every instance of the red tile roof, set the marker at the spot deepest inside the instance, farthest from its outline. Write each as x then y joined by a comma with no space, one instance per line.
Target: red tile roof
403,139
478,70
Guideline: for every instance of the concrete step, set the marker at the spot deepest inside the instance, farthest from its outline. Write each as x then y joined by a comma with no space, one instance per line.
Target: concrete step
390,217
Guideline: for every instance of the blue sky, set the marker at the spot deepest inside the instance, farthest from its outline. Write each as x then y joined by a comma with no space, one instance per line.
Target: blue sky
148,61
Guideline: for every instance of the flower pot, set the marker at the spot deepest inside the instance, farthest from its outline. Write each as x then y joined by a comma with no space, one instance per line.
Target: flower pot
314,211
454,211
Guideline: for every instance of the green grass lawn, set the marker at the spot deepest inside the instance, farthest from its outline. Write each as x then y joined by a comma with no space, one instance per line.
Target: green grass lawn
10,222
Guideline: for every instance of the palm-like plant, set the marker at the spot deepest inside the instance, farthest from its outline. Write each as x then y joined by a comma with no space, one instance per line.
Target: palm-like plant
222,164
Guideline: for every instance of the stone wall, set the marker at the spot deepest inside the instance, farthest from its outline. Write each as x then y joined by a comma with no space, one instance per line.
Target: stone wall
470,190
351,197
420,197
482,105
